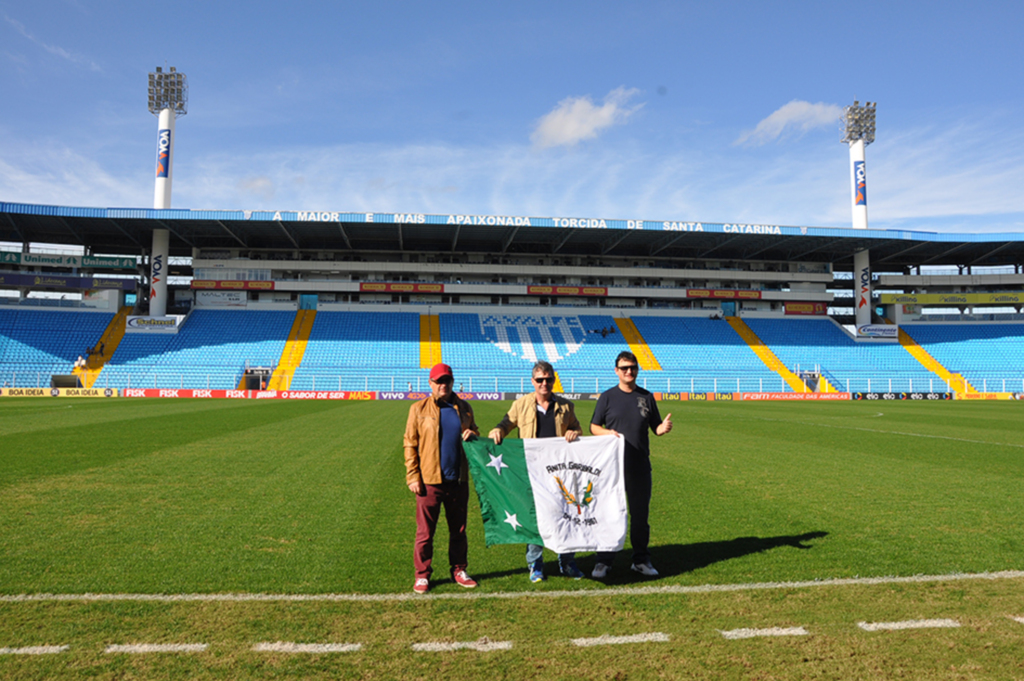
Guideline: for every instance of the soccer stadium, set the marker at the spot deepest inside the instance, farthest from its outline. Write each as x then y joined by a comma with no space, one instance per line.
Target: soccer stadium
204,415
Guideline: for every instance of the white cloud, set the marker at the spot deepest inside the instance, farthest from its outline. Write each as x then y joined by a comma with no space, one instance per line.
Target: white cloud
577,118
796,115
53,49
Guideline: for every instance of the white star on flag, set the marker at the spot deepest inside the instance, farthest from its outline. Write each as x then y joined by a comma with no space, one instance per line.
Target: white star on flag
496,463
510,518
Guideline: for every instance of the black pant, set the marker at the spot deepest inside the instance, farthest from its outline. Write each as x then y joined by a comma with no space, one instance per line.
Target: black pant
637,479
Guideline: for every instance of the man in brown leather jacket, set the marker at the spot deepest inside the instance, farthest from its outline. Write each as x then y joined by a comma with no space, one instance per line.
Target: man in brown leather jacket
437,473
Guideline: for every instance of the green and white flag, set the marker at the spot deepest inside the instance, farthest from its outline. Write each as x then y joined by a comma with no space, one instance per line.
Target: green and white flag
568,496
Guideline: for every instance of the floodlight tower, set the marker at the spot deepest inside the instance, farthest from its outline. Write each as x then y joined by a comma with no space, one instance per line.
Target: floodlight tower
859,131
168,99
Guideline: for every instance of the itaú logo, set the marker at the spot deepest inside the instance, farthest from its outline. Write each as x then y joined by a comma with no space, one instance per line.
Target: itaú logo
860,176
163,152
865,287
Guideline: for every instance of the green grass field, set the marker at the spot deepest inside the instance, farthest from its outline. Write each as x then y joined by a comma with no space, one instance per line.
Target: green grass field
202,496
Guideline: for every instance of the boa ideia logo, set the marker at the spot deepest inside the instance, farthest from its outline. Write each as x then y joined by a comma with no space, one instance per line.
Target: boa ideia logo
163,153
865,287
860,176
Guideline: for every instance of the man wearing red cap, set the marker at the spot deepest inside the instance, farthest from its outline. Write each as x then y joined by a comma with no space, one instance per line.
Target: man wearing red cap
436,472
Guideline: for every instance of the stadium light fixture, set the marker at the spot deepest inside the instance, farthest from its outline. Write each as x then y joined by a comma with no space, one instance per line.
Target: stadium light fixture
859,122
168,91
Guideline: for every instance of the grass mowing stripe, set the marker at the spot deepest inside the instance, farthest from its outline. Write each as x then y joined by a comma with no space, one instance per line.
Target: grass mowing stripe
503,595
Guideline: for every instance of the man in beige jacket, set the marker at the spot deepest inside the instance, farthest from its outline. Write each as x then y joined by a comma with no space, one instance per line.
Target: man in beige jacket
542,414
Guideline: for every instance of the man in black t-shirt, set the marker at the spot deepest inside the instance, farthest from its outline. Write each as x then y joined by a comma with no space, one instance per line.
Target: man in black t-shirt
627,411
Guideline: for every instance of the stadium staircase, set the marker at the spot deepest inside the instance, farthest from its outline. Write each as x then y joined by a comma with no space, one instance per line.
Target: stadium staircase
957,383
109,341
637,345
770,359
294,350
430,340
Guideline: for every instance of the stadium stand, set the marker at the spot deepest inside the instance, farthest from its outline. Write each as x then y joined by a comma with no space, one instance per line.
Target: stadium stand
990,356
850,366
362,351
210,350
34,344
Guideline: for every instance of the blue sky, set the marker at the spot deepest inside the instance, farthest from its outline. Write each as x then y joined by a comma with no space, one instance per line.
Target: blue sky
712,112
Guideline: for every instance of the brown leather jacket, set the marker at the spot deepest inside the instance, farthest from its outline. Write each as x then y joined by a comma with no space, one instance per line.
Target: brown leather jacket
422,449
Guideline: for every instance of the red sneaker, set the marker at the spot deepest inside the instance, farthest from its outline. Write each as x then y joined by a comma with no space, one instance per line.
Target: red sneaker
421,586
462,579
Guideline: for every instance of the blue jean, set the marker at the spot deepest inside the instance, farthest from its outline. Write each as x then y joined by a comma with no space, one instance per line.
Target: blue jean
535,554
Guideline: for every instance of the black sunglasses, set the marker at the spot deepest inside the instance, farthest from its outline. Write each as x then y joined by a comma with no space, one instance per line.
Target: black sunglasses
445,380
544,379
628,367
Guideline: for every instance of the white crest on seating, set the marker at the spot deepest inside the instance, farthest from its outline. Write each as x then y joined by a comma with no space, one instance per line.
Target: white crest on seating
557,337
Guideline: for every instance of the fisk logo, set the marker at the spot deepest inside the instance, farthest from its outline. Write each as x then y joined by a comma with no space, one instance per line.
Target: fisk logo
860,177
163,152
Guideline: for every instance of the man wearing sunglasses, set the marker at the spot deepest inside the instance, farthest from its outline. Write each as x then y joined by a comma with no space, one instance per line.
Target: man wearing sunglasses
627,411
437,473
542,414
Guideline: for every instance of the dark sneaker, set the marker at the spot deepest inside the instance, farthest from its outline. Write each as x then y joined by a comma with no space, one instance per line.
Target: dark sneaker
646,569
462,579
421,586
600,571
570,570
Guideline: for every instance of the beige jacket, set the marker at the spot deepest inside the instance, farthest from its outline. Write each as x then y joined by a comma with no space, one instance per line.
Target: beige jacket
422,448
523,415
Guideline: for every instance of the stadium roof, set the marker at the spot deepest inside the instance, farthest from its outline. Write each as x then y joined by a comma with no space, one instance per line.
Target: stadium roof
128,231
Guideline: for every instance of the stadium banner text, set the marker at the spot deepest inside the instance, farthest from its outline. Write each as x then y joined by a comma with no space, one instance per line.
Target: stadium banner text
902,396
806,308
1005,298
567,290
74,283
232,285
988,396
51,260
58,392
140,324
382,287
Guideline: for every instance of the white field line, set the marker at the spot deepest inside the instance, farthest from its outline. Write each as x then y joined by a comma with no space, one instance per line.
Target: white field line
734,634
484,645
508,595
287,647
156,648
1018,619
35,650
909,624
605,640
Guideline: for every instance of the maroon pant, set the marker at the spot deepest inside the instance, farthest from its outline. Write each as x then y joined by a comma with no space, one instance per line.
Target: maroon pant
454,496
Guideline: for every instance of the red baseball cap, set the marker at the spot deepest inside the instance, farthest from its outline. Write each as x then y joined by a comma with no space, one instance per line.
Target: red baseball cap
440,370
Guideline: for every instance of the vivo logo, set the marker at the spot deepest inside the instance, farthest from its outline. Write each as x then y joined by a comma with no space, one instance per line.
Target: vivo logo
865,287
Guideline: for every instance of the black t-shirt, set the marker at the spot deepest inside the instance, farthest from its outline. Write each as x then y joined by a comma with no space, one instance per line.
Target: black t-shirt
546,422
631,414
